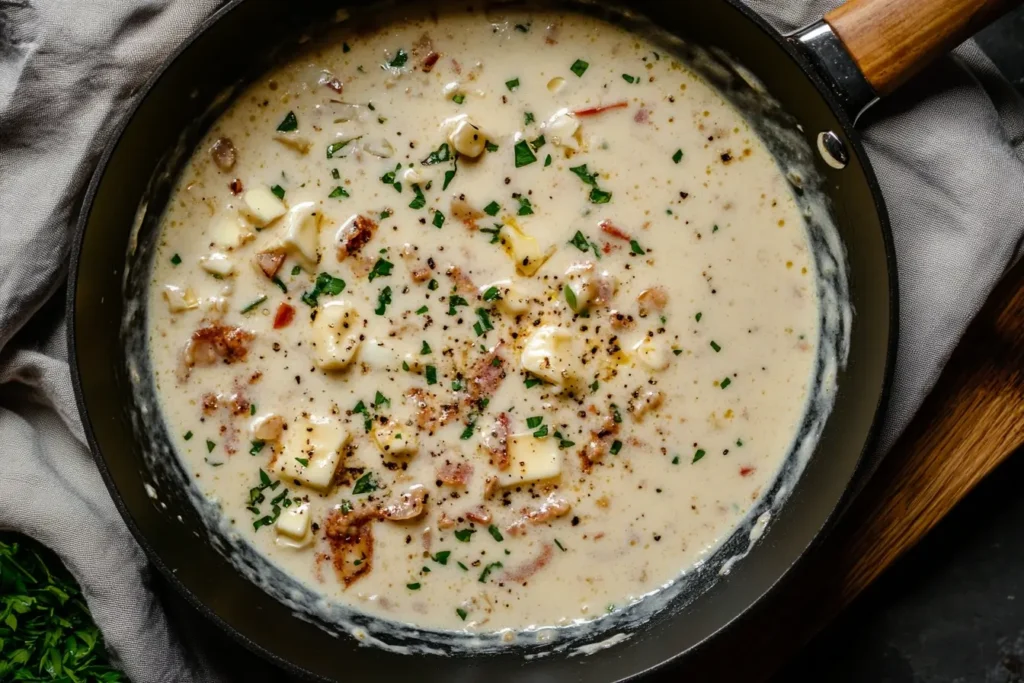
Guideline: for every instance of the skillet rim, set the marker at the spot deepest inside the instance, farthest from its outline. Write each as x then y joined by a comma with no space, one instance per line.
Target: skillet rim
859,475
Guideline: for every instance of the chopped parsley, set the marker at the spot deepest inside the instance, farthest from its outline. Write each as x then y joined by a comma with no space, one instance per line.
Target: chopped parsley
525,207
210,445
488,569
364,484
188,435
699,454
490,295
257,446
453,301
440,155
531,382
420,201
252,307
597,195
289,123
381,268
528,118
465,534
512,85
678,156
296,270
336,147
467,433
461,612
739,442
278,191
422,309
380,399
493,232
534,422
495,533
524,155
539,142
616,415
675,460
338,193
438,219
413,586
433,285
579,67
725,382
629,79
345,47
303,461
492,209
383,299
715,346
431,373
490,146
563,442
616,447
325,284
698,317
336,174
635,247
560,546
542,432
176,260
570,297
547,161
579,240
484,323
390,178
458,98
399,59
441,557
425,349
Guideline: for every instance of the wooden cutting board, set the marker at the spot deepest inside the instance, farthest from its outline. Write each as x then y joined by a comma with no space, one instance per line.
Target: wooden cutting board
971,422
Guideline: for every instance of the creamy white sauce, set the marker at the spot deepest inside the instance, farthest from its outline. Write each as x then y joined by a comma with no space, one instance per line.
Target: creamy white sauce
731,256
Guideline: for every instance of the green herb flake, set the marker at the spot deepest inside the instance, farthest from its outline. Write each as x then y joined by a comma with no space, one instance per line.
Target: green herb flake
188,435
380,399
484,321
491,294
461,612
399,59
531,382
345,48
675,460
383,300
453,301
257,446
678,156
303,461
677,351
635,247
525,207
438,219
382,268
714,228
599,196
336,174
616,415
425,349
584,174
438,156
364,484
715,346
413,586
739,443
467,433
539,142
441,557
524,155
458,98
433,285
464,535
528,118
495,533
338,193
547,161
431,374
252,307
698,317
570,297
542,432
560,546
210,446
487,571
725,382
422,309
176,260
419,201
629,79
512,85
699,454
492,209
490,146
579,67
278,191
336,147
579,240
289,123
296,270
534,422
616,447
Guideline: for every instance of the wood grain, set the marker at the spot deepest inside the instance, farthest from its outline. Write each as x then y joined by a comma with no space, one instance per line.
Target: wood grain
891,40
972,421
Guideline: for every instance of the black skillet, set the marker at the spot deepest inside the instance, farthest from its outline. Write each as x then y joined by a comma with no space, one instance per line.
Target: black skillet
823,76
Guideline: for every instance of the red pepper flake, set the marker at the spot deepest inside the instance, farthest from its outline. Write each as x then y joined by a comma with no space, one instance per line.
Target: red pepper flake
746,471
609,228
235,186
593,111
284,316
430,61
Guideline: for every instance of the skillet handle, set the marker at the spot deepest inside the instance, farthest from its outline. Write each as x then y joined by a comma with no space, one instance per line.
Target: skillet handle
891,40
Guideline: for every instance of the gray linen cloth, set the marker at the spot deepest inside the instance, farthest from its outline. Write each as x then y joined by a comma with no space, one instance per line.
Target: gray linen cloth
947,152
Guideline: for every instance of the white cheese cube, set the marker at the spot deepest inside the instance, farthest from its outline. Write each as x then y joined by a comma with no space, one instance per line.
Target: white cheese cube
395,438
179,299
302,231
294,522
336,333
313,452
547,355
561,129
653,355
522,249
218,264
512,299
531,459
263,205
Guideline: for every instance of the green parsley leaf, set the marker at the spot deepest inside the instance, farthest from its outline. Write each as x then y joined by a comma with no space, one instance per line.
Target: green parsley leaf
188,435
467,433
616,415
438,219
383,299
425,349
464,534
531,382
525,207
303,461
278,191
289,123
345,47
210,446
257,446
699,454
420,201
534,422
579,67
698,317
296,270
629,79
539,142
570,297
524,155
453,301
579,240
441,557
542,432
547,161
616,447
399,59
431,374
739,442
528,118
381,268
461,612
495,533
492,209
512,85
364,484
338,193
560,546
413,586
491,294
422,309
635,247
678,156
725,382
336,174
380,399
440,155
251,307
176,260
490,146
584,174
599,196
488,569
715,346
458,98
336,147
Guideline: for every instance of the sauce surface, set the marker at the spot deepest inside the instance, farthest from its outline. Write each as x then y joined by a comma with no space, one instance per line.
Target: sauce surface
483,321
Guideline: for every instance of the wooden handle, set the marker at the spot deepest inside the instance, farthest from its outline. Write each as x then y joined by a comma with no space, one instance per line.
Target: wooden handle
891,40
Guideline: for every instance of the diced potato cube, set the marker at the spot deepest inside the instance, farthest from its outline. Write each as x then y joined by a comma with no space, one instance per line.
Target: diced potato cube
336,333
522,249
228,232
512,299
531,459
395,438
466,138
294,522
179,299
302,231
547,355
313,452
218,264
652,354
263,205
561,129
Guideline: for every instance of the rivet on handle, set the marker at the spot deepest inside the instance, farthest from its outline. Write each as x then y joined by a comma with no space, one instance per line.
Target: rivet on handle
832,150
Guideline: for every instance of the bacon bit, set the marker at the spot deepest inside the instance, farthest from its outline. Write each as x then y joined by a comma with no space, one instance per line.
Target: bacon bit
486,375
653,299
409,506
593,111
351,539
495,442
255,377
211,403
270,261
429,61
746,471
239,404
421,275
354,236
445,522
610,228
455,474
224,154
284,316
524,572
479,514
465,213
599,443
553,508
644,403
491,487
463,284
209,343
642,116
425,413
621,321
235,186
